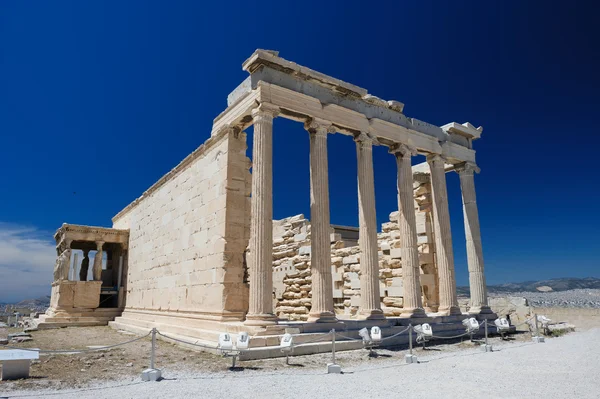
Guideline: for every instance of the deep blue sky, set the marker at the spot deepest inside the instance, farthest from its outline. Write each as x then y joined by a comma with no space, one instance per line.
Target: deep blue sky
99,99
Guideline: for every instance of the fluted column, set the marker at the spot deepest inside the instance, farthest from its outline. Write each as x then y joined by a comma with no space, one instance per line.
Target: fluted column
443,236
260,310
370,300
97,268
320,254
407,222
478,288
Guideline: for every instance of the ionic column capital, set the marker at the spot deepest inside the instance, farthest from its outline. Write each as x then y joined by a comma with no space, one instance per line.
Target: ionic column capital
467,168
436,158
318,126
403,150
365,141
265,112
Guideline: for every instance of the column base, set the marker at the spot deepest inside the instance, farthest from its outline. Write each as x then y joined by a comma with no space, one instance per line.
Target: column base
450,311
372,314
322,317
414,313
265,319
480,310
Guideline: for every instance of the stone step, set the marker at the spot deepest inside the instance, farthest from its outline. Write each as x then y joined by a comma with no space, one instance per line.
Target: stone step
61,324
186,319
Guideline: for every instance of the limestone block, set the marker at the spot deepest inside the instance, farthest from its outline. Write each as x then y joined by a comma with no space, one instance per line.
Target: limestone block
393,301
350,259
389,226
300,237
396,253
385,246
355,284
334,237
355,300
395,291
425,259
304,250
422,239
338,245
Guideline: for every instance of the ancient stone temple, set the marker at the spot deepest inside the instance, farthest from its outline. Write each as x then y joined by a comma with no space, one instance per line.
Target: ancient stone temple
199,253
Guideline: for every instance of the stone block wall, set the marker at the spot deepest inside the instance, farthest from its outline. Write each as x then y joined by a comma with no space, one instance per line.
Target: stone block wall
188,234
292,274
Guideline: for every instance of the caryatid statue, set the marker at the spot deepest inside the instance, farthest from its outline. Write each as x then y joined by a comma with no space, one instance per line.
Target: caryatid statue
97,269
85,265
62,265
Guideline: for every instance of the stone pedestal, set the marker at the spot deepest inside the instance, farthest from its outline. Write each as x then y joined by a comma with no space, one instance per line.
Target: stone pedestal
68,295
443,237
370,301
320,257
260,312
479,302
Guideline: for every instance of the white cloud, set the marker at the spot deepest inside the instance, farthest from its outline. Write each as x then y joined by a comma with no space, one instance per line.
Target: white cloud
27,257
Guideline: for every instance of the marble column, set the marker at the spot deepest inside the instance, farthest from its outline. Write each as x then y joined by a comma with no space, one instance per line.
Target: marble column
479,303
260,311
370,300
97,267
443,236
320,254
407,222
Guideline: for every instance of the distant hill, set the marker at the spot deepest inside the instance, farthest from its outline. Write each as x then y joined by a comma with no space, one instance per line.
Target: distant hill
34,303
555,284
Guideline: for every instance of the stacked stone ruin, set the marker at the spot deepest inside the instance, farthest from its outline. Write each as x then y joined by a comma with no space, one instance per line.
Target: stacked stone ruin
292,269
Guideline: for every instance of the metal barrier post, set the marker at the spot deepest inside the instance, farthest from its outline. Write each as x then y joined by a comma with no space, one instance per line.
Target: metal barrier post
410,358
410,338
333,346
537,338
486,332
152,351
333,368
152,374
486,347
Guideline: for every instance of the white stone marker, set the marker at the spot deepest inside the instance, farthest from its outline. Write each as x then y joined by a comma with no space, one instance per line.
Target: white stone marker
16,362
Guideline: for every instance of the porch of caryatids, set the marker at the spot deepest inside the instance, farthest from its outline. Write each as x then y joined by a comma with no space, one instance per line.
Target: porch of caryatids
320,257
260,308
97,267
478,288
370,301
443,236
407,223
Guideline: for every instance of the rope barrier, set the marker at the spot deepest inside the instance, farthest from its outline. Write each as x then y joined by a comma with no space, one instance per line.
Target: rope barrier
395,335
453,337
186,342
78,350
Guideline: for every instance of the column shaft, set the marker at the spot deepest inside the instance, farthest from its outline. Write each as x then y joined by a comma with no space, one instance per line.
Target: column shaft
443,236
370,299
407,222
320,257
260,310
477,283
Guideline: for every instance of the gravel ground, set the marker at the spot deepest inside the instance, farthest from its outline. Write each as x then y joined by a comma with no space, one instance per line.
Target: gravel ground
561,368
579,298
